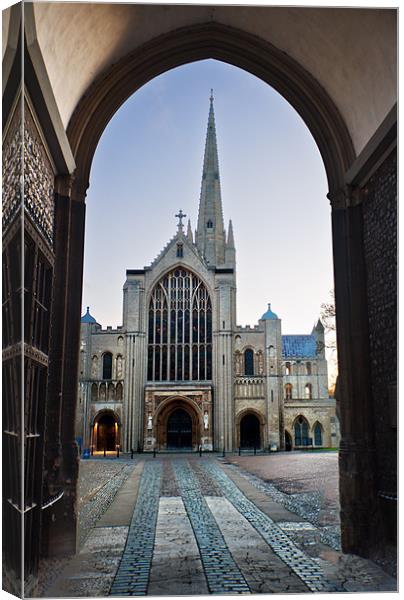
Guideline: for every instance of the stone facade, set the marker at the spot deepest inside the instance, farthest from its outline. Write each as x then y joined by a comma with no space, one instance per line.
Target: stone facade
180,373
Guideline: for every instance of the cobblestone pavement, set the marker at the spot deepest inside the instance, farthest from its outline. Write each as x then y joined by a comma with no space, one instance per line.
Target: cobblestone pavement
99,481
202,525
132,577
305,484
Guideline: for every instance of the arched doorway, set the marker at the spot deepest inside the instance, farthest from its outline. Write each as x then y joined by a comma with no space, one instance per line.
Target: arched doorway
250,434
179,430
105,432
288,441
178,425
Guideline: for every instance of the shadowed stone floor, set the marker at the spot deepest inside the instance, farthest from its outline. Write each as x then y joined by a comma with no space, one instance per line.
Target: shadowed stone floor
190,525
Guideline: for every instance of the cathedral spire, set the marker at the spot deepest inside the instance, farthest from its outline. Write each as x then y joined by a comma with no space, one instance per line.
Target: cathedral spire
210,235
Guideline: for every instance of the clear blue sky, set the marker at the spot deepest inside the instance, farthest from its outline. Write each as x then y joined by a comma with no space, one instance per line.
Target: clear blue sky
148,164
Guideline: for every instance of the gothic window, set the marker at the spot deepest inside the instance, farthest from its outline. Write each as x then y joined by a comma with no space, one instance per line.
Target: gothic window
307,391
94,367
249,362
288,391
180,329
301,432
107,366
308,368
209,224
119,391
318,435
180,250
288,369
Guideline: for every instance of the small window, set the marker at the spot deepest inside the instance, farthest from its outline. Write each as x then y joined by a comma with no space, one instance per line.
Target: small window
307,391
249,363
180,250
288,369
209,224
288,391
308,368
107,366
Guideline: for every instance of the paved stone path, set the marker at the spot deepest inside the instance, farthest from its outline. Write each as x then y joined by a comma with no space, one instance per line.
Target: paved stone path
184,525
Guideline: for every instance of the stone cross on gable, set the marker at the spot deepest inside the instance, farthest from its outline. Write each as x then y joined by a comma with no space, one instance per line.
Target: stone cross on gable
180,216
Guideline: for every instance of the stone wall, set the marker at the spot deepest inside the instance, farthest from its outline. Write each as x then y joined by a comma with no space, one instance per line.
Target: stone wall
380,244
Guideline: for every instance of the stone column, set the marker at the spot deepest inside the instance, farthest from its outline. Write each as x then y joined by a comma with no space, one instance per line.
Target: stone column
357,448
135,371
224,371
61,452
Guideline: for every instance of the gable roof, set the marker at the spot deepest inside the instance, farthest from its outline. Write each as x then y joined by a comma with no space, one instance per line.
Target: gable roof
303,346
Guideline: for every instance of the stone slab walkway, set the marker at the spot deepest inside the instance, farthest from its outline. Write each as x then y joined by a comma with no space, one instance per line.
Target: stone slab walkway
185,525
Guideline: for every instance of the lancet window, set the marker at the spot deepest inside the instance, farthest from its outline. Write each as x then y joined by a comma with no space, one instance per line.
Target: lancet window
249,362
301,432
180,329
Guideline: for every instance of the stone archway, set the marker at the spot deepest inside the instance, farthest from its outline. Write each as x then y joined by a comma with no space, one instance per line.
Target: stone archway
250,430
250,434
105,431
178,426
288,441
227,44
362,436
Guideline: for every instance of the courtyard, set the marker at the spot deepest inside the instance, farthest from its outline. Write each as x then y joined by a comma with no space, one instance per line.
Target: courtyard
181,524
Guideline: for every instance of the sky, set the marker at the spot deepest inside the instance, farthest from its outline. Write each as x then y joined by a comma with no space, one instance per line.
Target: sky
148,165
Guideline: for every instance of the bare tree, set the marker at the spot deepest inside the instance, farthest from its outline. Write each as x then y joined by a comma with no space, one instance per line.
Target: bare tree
328,319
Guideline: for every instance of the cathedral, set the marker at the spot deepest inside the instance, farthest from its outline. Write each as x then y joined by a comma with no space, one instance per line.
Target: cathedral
180,374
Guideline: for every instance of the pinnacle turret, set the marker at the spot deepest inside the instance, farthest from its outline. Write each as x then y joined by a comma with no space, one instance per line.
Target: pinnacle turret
210,235
189,232
230,236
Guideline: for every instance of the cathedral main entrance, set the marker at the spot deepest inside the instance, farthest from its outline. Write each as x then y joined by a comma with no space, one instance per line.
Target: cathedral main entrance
178,420
179,430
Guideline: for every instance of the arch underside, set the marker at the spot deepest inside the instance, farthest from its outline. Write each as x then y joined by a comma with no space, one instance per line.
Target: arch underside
227,44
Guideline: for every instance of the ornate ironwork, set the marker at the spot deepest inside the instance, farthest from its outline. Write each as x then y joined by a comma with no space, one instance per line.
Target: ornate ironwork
39,180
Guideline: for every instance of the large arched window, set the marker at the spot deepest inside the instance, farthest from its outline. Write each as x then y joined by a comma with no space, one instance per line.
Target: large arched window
249,362
301,432
107,366
180,329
